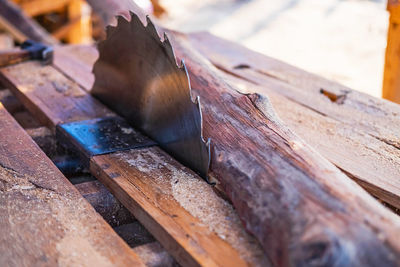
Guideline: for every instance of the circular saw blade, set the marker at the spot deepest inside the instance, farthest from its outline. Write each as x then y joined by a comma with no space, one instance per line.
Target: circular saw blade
137,76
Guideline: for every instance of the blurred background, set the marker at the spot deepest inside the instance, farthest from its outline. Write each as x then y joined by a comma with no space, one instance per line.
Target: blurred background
342,40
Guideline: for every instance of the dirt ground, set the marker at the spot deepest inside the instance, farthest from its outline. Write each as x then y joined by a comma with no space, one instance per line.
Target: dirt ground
342,40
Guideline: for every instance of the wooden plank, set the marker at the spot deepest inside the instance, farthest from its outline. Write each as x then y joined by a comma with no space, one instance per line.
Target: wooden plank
38,7
80,32
391,80
50,96
44,220
353,134
6,41
21,26
186,237
76,62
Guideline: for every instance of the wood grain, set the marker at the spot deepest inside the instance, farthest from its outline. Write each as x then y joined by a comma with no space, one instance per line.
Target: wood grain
51,96
43,218
76,62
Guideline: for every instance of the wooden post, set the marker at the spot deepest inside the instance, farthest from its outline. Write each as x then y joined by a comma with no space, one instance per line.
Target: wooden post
81,30
391,77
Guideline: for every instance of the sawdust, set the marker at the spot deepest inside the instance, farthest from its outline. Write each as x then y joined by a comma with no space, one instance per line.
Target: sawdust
76,236
88,256
127,130
198,198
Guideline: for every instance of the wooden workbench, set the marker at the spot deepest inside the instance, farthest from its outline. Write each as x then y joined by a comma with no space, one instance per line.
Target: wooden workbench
357,133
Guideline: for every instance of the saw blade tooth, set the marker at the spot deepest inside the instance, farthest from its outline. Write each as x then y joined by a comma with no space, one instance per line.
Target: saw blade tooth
168,48
184,69
208,142
198,104
110,30
151,29
121,20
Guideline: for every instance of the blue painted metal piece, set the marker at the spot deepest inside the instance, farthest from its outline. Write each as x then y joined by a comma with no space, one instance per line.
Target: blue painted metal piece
101,136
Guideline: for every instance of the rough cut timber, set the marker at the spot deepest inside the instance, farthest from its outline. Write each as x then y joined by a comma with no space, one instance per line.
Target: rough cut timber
184,233
349,128
43,218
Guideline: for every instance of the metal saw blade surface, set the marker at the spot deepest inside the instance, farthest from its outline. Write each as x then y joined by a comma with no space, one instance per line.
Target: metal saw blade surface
138,77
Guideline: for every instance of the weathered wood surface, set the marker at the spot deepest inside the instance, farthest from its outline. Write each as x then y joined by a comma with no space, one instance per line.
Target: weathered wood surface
43,218
51,96
358,133
76,62
21,26
186,236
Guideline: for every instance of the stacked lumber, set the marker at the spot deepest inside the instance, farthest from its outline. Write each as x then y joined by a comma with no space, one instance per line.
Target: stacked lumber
279,200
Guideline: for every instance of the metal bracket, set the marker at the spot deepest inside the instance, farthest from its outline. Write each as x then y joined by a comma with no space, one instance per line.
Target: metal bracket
100,136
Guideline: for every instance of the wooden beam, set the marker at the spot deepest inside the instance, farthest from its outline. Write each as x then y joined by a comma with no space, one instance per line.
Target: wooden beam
43,218
76,62
391,77
58,100
39,7
6,41
21,26
183,232
65,30
81,30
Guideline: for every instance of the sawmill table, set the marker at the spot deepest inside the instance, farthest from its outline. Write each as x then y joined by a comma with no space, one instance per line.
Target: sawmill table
357,133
